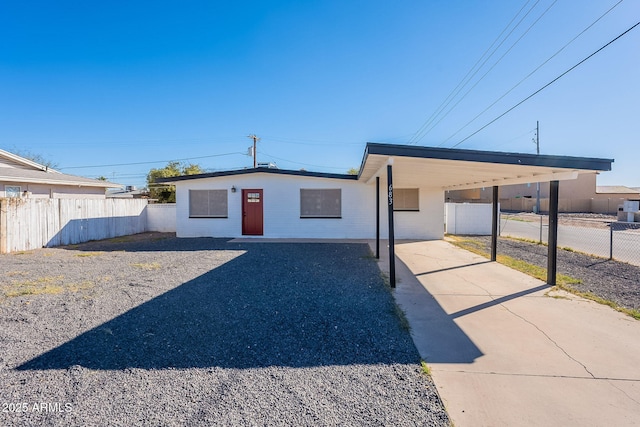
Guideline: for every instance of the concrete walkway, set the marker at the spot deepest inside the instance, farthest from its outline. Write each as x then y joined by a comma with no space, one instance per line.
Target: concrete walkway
504,351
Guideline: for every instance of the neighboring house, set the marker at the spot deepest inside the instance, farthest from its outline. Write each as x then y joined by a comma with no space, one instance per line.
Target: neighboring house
278,203
20,177
579,195
130,192
618,191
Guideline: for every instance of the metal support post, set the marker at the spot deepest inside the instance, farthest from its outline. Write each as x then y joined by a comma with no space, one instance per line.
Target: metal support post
392,254
611,224
494,224
552,252
540,215
377,217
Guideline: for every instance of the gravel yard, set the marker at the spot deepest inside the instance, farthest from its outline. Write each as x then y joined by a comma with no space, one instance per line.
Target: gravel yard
154,330
616,281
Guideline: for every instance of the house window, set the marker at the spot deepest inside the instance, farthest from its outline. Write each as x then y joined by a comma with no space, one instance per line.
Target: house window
12,191
320,203
405,199
208,204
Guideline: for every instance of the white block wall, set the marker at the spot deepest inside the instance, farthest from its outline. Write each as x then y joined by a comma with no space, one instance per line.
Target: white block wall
468,218
161,217
281,204
426,224
281,208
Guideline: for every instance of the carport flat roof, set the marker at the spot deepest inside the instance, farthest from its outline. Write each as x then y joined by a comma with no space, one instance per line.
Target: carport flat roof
453,169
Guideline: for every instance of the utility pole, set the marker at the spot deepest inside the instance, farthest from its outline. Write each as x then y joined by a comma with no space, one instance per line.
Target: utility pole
255,141
538,153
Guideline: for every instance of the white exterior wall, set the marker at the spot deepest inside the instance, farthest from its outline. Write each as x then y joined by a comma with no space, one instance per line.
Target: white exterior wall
161,217
69,192
281,209
469,218
45,191
426,224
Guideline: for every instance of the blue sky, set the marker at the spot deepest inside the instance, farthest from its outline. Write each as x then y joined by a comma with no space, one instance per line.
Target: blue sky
109,83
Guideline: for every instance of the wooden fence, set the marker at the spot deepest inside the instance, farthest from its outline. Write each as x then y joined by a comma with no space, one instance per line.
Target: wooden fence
35,223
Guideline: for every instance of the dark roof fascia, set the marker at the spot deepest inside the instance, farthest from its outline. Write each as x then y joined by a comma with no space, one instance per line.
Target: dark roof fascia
568,162
257,170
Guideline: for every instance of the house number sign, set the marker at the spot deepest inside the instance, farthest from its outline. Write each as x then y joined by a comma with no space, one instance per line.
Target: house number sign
390,194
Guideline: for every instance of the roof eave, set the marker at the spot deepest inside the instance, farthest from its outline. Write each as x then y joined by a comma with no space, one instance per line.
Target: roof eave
565,162
174,179
105,184
25,162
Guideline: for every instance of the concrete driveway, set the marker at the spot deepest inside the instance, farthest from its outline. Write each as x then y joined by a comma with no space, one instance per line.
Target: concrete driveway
505,351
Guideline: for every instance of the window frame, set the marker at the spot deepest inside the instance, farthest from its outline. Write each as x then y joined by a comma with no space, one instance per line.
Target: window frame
209,215
18,194
315,215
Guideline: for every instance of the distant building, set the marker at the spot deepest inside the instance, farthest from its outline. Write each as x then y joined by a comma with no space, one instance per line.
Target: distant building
20,177
577,195
130,192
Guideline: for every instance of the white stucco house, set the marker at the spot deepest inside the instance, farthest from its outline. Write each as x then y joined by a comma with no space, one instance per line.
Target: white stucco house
291,204
274,203
23,178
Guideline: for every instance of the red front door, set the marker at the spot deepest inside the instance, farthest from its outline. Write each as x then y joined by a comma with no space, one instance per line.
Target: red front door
252,212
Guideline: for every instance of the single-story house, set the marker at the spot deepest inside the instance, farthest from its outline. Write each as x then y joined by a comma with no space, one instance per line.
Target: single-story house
20,177
277,203
404,185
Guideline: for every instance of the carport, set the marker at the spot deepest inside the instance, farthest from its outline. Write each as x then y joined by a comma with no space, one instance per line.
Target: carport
455,169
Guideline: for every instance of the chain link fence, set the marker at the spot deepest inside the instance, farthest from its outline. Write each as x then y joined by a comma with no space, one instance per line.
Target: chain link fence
599,257
600,235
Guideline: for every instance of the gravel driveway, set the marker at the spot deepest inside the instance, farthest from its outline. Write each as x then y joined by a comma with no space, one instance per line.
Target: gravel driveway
154,330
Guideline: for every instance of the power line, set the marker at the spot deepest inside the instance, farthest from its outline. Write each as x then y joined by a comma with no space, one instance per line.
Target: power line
515,138
424,129
549,84
139,141
531,73
129,175
492,67
304,164
151,162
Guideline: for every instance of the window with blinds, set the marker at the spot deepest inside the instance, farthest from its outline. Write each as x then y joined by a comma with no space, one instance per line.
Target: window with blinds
208,204
406,199
321,203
